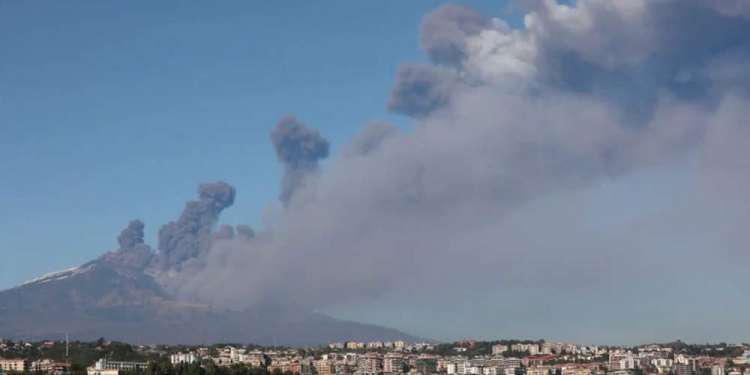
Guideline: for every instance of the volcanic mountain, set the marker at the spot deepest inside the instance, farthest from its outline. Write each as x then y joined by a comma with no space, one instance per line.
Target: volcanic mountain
125,294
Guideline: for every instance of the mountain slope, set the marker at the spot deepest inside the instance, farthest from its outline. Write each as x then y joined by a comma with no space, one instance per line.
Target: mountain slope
123,294
104,299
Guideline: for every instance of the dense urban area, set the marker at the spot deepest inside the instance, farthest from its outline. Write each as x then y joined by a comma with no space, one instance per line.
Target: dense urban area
469,357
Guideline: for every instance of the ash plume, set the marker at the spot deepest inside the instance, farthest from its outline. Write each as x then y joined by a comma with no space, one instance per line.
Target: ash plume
245,231
224,232
133,253
299,148
370,139
421,89
131,236
445,30
492,189
190,235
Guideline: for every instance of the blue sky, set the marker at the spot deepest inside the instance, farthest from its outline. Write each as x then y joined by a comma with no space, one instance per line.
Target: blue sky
111,112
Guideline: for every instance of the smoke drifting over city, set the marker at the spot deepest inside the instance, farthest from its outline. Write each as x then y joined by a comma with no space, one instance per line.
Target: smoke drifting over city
513,124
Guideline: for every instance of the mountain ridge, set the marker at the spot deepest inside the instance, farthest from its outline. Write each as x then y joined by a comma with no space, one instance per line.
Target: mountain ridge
102,298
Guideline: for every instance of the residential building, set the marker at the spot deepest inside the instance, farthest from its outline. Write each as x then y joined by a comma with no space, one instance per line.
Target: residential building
323,367
394,364
354,345
537,360
576,370
183,358
499,349
547,348
49,366
683,369
370,364
511,362
538,370
107,367
13,364
621,361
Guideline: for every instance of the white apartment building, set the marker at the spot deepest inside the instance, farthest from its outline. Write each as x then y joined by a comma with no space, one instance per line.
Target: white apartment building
532,348
622,361
537,370
451,368
12,364
511,362
183,358
107,367
393,363
499,349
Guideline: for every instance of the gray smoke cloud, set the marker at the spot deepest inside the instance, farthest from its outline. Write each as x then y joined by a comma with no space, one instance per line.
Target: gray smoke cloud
489,191
370,139
245,232
421,89
445,30
131,236
190,235
224,232
132,251
299,148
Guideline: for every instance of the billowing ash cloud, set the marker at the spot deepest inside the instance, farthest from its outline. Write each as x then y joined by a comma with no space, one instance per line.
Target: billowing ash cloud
445,30
245,231
299,148
421,89
371,138
190,235
224,232
132,251
492,190
131,236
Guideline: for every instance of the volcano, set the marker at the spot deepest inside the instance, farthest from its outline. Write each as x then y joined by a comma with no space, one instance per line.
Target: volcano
106,299
122,296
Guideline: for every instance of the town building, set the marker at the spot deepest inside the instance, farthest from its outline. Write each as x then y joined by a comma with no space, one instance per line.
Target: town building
621,361
107,367
683,369
13,364
323,367
183,358
499,349
49,366
393,363
537,360
538,370
370,364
